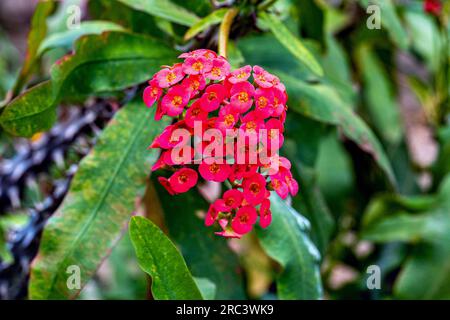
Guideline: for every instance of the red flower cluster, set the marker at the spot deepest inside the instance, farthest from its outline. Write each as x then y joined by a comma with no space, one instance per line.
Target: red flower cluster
203,90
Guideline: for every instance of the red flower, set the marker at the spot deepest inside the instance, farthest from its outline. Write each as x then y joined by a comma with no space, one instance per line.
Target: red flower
175,100
254,189
275,138
220,69
244,220
241,96
264,102
214,171
195,83
211,216
262,77
166,184
169,76
197,65
183,180
252,123
195,113
151,94
232,199
213,97
240,75
227,119
433,6
265,215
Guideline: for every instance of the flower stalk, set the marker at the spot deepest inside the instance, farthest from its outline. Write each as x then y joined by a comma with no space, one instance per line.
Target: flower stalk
224,31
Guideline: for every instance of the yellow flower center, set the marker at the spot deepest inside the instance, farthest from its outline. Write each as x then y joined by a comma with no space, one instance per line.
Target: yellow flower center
243,218
177,101
243,96
216,72
262,102
197,66
214,168
212,96
241,75
254,188
170,76
251,125
182,178
229,119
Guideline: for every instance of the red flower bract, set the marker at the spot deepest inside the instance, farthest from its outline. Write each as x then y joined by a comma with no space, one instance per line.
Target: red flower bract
227,127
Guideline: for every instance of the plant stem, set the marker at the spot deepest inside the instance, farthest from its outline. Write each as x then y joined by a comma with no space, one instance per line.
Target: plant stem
224,31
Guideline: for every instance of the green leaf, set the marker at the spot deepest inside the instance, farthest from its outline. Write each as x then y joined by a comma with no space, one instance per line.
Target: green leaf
403,227
38,31
312,19
286,241
322,103
206,287
291,42
214,18
426,274
380,100
265,50
107,62
403,220
304,137
424,223
164,9
335,174
31,112
119,13
206,254
65,39
390,21
101,197
101,63
311,202
158,256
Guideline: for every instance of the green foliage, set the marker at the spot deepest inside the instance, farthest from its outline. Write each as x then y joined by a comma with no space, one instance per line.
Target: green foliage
164,9
214,18
380,99
287,242
159,257
65,39
291,42
35,37
424,223
100,201
31,112
101,63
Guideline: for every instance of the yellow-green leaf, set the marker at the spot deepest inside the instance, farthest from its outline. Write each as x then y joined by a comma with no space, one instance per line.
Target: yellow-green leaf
291,42
214,18
100,201
30,112
164,9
